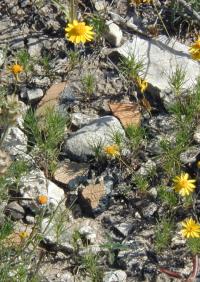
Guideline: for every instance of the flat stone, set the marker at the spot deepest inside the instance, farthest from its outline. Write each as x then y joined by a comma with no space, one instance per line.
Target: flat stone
94,198
99,132
71,173
113,34
115,276
164,55
14,210
124,228
51,98
34,94
2,57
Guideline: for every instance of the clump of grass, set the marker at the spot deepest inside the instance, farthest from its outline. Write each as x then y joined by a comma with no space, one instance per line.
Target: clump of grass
193,245
141,182
131,67
89,84
24,59
135,135
91,266
163,234
177,80
73,59
167,196
99,24
46,135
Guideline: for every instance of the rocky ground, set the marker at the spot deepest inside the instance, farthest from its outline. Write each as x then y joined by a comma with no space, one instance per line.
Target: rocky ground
101,221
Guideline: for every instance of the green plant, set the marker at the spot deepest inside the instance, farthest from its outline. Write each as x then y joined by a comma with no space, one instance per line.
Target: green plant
46,134
177,80
131,67
89,84
141,182
90,264
74,59
193,245
135,135
118,138
99,25
163,234
24,59
167,196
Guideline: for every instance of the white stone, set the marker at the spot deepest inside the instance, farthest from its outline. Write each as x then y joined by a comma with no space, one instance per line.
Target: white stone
35,47
197,134
113,34
115,276
15,142
1,57
161,56
35,184
99,132
34,94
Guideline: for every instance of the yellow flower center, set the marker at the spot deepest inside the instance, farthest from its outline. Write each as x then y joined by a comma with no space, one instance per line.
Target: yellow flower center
79,29
16,69
183,183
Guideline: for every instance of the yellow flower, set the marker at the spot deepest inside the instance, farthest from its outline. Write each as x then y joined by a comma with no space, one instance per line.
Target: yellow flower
112,150
79,32
142,84
195,50
23,235
183,185
191,229
16,69
198,164
42,199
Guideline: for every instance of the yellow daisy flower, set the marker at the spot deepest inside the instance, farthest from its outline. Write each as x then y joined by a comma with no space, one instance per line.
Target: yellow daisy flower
112,150
142,84
23,235
16,69
191,229
79,32
195,50
183,185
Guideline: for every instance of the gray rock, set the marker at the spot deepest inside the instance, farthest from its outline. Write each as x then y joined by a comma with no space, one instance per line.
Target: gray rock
124,228
2,57
35,184
100,5
79,119
113,34
34,94
115,276
149,210
60,230
79,146
190,155
135,256
34,47
30,219
41,82
15,142
164,55
14,210
196,135
146,168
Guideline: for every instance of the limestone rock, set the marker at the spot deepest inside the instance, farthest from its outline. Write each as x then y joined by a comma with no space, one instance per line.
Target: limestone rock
35,184
34,94
113,34
164,55
115,276
99,132
79,119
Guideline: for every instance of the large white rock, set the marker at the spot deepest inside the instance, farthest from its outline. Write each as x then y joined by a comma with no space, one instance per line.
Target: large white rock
115,276
99,132
15,142
35,184
161,56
